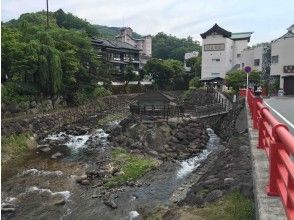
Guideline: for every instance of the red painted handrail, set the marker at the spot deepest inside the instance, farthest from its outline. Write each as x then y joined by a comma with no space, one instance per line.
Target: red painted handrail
278,144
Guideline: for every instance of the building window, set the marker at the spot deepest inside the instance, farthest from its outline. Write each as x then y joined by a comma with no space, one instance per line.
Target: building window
275,59
238,55
216,60
256,62
243,65
214,74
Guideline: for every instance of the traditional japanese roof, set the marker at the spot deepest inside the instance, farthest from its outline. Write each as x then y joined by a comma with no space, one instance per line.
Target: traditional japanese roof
241,36
234,36
289,34
113,44
216,29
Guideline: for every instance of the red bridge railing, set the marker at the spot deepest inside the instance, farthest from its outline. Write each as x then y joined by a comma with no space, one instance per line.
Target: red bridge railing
278,144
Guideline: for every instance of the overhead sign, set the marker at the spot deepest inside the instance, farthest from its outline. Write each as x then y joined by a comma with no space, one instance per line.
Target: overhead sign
288,69
214,47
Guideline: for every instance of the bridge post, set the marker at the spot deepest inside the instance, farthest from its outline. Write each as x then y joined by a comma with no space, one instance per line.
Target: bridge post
272,187
254,112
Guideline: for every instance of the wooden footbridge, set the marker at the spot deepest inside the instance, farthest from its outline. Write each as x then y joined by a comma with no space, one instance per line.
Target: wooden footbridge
160,107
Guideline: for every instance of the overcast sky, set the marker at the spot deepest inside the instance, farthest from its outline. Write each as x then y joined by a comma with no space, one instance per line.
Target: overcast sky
267,18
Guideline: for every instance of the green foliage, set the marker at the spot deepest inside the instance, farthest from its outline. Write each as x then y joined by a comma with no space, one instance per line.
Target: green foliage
195,82
237,79
275,85
15,145
112,32
170,47
100,91
195,64
56,61
255,77
69,21
16,93
167,74
129,73
133,166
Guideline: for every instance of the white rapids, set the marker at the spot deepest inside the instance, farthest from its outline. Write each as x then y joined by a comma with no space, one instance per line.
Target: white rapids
191,164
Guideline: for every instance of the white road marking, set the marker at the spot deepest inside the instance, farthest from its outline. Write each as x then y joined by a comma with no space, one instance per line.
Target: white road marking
281,116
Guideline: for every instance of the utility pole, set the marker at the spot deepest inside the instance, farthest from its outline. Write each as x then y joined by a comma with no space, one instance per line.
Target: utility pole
47,14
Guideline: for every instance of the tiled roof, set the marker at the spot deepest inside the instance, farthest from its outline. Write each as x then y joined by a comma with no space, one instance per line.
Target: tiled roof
216,29
241,35
113,44
289,34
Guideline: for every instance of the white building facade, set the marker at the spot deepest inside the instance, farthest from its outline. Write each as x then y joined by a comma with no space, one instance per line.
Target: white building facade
189,56
282,60
144,44
221,52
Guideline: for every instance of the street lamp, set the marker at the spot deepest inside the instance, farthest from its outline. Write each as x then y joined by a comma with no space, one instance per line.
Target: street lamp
247,70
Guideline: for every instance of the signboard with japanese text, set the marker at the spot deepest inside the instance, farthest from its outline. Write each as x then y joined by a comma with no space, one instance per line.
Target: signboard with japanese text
214,47
288,69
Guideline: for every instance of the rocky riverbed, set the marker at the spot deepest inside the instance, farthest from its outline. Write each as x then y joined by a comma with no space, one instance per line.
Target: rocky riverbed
116,168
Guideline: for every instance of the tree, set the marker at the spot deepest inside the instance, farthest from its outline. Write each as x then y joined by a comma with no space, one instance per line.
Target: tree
236,79
166,74
53,62
170,47
195,82
195,64
129,73
142,73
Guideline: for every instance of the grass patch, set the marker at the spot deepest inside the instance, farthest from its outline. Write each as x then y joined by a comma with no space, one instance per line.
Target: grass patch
133,166
234,206
15,145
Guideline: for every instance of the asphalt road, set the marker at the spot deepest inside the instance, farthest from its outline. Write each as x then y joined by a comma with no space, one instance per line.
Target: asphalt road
283,109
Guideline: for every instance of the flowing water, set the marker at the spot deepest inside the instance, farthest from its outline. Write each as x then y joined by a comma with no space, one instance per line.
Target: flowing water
41,182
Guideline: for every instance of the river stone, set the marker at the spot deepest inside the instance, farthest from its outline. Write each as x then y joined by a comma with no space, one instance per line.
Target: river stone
229,181
110,203
56,155
85,182
44,148
213,195
81,178
5,207
209,182
60,202
153,153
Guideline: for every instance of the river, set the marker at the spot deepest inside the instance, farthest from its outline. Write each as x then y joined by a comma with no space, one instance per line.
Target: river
45,188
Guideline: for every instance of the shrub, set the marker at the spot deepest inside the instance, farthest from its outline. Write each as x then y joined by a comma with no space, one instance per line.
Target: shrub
195,82
100,91
15,92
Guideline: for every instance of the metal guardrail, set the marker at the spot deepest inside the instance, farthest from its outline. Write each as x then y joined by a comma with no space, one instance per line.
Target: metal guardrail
278,143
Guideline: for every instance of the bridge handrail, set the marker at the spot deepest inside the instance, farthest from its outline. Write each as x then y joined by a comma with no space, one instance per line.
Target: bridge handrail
278,143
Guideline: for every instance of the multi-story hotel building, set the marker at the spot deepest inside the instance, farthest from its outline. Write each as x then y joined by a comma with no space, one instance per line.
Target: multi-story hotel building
221,52
143,44
282,60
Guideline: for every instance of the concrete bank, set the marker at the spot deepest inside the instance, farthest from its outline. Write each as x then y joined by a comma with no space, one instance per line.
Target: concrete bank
266,207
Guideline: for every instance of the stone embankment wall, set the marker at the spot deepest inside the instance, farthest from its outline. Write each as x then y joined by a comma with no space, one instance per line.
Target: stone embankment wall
41,123
225,125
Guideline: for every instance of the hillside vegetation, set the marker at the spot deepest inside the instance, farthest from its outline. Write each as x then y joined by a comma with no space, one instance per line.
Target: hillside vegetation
43,62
